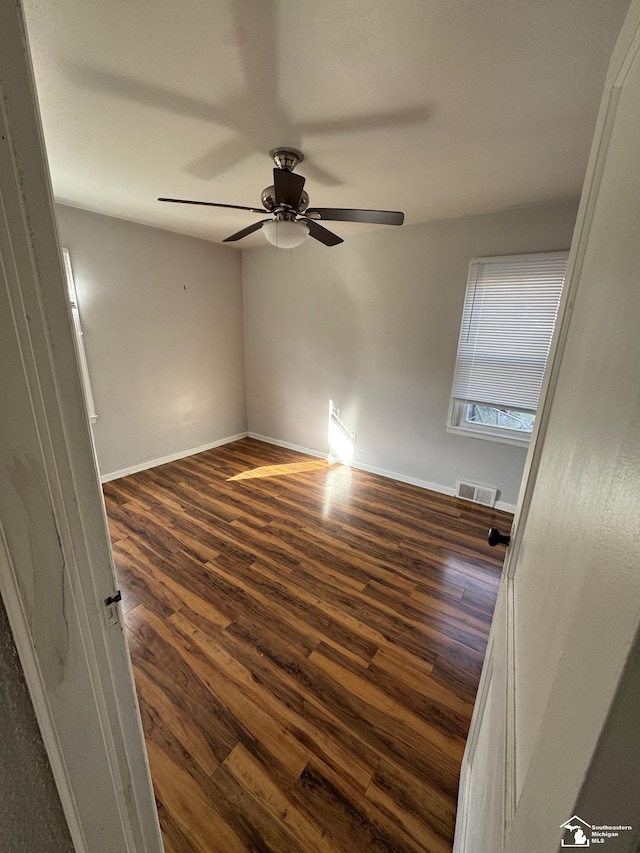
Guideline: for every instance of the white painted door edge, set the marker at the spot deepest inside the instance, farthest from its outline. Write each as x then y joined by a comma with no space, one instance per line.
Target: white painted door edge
627,48
106,750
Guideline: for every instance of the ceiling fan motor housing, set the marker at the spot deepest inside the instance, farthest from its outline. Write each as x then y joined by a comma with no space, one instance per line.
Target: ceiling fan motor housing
268,199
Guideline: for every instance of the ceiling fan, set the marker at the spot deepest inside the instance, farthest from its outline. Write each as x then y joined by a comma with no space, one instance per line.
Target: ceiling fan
292,220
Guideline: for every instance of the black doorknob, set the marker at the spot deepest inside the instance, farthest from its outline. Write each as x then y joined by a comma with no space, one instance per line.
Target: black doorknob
494,537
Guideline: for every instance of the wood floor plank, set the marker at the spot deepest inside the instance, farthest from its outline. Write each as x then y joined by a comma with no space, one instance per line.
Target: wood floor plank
254,778
226,677
182,584
163,665
352,821
480,604
300,727
371,617
400,668
422,811
324,547
250,816
140,580
306,641
183,725
178,781
175,841
397,731
307,709
439,716
323,622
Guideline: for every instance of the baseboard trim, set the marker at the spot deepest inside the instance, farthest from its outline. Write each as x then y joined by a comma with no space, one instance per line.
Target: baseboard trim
153,463
288,445
371,469
404,478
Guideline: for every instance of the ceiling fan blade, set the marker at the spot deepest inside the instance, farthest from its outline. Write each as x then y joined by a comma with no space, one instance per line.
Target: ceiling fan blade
343,214
321,233
215,204
288,187
245,231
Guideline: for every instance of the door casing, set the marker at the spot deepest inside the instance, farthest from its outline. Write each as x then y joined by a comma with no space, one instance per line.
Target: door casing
56,568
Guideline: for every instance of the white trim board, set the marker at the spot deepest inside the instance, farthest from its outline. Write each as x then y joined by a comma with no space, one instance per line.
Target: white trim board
181,454
57,569
371,469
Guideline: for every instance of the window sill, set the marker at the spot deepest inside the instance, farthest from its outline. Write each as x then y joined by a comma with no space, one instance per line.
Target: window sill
487,435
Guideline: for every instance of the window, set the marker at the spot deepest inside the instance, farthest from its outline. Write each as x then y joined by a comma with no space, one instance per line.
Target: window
82,358
509,314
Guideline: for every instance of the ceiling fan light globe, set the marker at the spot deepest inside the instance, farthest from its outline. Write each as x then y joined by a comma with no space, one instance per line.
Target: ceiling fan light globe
285,234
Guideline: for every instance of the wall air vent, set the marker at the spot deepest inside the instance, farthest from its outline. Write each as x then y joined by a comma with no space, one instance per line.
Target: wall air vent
476,493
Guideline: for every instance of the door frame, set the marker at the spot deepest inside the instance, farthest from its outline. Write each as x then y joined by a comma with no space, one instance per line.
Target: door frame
626,49
107,751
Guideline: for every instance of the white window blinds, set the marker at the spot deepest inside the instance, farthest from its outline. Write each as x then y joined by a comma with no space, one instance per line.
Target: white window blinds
509,314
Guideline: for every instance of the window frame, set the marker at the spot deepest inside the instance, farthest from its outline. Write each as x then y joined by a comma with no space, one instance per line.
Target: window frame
457,425
72,299
456,418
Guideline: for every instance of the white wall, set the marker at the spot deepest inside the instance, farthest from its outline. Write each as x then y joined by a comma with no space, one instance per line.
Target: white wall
163,330
373,325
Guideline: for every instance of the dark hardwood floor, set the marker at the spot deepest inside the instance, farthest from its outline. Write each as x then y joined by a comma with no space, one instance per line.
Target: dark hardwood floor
307,641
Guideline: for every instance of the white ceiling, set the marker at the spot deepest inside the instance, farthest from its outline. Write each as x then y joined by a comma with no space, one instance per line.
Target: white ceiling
439,108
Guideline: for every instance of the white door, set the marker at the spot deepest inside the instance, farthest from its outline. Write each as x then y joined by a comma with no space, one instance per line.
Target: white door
569,601
55,559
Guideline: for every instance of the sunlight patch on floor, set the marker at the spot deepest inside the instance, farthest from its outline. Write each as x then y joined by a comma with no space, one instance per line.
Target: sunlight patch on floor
281,470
